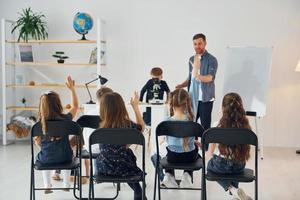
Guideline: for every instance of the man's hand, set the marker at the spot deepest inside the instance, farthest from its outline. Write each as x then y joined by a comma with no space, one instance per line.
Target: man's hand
179,86
196,64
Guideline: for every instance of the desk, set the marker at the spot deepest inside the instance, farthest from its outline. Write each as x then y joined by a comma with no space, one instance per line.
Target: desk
158,114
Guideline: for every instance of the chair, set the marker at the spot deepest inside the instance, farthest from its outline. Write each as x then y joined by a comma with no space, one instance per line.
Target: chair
120,136
179,129
88,121
56,128
230,136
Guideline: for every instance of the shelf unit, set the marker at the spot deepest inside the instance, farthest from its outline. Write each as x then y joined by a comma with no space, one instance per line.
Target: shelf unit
55,42
46,86
29,108
6,110
49,64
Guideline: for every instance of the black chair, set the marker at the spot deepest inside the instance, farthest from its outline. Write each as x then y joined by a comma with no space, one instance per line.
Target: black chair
179,129
88,121
60,128
121,136
230,136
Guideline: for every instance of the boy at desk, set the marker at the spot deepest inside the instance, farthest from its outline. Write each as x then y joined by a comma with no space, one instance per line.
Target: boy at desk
155,88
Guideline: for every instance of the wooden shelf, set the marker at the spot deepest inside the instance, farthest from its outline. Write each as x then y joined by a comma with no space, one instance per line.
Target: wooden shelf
47,86
30,108
55,42
22,108
51,64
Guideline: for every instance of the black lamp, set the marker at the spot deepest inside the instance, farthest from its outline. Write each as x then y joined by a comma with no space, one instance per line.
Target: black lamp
102,82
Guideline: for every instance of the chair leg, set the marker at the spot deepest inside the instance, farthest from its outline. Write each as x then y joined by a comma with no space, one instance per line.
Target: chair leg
93,190
158,185
79,182
31,184
256,190
74,185
203,192
144,189
155,182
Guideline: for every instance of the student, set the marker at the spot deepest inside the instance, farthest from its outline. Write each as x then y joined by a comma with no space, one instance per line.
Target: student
155,88
99,94
119,160
231,159
180,150
102,91
55,149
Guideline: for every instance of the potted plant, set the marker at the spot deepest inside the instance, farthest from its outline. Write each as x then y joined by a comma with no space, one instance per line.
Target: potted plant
31,25
61,56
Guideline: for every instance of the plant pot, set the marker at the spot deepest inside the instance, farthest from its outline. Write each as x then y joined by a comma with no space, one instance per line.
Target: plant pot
60,61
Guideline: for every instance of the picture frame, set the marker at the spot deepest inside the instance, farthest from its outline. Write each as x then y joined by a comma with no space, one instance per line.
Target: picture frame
26,53
93,57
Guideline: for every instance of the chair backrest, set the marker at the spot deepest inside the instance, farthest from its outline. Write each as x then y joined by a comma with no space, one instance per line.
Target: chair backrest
89,121
57,128
117,136
179,129
229,136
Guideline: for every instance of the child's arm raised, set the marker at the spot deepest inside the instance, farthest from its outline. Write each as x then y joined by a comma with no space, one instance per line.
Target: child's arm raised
134,101
74,99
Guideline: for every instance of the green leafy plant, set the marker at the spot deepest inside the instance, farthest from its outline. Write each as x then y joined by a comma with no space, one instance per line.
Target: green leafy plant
61,56
31,25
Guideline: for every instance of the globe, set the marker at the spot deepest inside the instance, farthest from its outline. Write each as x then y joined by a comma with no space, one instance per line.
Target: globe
82,23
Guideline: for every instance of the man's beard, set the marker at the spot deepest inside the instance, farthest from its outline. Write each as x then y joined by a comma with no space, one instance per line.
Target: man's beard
200,51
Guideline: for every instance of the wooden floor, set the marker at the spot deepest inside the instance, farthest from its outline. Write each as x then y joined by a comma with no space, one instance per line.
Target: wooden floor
279,178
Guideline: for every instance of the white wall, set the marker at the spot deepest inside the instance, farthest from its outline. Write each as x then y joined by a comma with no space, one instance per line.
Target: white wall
142,34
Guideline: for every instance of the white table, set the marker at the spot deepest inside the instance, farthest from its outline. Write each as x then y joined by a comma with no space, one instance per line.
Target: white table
158,114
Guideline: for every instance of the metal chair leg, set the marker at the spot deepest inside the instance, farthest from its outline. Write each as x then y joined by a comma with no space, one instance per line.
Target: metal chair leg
203,192
158,185
144,189
33,184
31,188
155,182
74,186
79,183
93,190
256,190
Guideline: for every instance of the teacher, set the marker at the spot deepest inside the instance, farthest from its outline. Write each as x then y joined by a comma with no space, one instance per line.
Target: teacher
200,82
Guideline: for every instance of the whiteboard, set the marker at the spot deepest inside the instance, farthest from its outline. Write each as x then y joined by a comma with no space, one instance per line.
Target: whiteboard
247,72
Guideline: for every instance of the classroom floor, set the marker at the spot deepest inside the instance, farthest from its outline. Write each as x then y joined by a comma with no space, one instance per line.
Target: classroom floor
279,178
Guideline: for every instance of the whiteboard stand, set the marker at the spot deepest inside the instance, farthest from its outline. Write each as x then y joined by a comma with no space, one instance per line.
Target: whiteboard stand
260,143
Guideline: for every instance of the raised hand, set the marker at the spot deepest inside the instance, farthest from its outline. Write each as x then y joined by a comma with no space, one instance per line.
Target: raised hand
196,64
70,83
134,101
